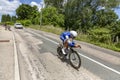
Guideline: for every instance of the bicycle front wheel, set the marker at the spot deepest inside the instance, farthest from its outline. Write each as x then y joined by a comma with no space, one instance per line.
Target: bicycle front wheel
75,60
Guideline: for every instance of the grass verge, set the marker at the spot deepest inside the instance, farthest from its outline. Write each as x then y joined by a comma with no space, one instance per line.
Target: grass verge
48,28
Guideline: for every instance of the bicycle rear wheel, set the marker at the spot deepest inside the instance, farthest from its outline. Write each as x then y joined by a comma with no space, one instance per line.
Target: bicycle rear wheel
75,59
59,51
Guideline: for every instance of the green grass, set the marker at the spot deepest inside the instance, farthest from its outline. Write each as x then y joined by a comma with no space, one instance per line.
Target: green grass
48,28
85,38
108,46
81,37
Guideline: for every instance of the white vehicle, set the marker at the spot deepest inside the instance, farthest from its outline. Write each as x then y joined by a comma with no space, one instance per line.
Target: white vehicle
18,26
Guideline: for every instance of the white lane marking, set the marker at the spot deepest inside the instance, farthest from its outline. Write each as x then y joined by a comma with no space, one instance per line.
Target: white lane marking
103,65
46,38
17,73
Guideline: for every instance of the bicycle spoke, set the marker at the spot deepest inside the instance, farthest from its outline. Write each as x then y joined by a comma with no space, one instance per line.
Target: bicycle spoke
74,59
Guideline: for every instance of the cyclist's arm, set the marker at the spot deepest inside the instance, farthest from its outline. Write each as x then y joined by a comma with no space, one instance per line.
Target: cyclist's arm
73,44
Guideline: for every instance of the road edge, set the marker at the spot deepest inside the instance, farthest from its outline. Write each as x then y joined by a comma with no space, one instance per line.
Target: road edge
16,63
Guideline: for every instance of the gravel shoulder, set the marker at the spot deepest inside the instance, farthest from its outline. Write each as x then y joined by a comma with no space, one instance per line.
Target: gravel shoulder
6,55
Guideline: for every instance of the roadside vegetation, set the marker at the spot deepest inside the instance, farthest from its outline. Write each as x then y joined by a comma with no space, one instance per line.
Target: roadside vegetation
94,20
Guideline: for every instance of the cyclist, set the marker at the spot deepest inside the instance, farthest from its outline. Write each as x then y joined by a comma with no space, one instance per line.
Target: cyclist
67,38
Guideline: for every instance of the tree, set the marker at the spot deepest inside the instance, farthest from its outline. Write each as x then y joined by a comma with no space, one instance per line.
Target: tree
13,18
108,3
105,17
3,18
35,17
59,4
6,18
84,14
52,17
78,14
25,11
115,30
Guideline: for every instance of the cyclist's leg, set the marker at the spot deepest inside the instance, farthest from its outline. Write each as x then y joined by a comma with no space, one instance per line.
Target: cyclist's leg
63,41
65,48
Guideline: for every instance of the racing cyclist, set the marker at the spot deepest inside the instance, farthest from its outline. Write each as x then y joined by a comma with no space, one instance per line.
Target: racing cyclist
67,38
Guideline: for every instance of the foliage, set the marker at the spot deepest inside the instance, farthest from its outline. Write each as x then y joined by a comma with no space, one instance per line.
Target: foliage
109,3
59,4
78,14
105,17
52,17
6,18
100,35
35,17
13,19
115,31
118,45
85,14
25,11
25,22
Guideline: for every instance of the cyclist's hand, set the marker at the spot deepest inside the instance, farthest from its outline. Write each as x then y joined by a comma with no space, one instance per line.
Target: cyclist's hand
79,46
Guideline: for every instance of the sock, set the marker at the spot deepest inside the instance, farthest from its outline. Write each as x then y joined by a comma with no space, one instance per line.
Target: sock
63,50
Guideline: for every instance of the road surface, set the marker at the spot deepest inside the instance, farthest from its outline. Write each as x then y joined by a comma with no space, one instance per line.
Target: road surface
38,59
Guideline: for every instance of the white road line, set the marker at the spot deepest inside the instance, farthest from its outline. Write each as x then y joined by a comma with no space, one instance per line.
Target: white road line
103,65
16,73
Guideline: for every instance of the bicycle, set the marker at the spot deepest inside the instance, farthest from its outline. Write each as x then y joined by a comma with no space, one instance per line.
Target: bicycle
73,56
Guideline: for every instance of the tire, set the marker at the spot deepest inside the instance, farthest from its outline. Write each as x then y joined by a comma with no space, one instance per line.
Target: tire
72,57
59,51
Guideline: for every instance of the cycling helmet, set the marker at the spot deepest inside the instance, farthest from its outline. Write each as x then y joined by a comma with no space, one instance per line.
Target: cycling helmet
74,33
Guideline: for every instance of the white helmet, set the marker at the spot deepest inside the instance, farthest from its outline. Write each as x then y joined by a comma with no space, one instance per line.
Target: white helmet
74,33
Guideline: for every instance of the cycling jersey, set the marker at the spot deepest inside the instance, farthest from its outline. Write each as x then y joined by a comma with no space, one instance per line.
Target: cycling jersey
66,36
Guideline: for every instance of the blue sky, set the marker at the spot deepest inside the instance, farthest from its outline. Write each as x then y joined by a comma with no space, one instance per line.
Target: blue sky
117,10
29,1
9,6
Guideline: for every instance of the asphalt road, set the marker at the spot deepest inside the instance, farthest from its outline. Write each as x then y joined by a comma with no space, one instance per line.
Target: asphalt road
38,59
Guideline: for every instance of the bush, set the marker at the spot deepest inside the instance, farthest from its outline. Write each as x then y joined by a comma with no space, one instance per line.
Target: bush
100,35
25,22
117,44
